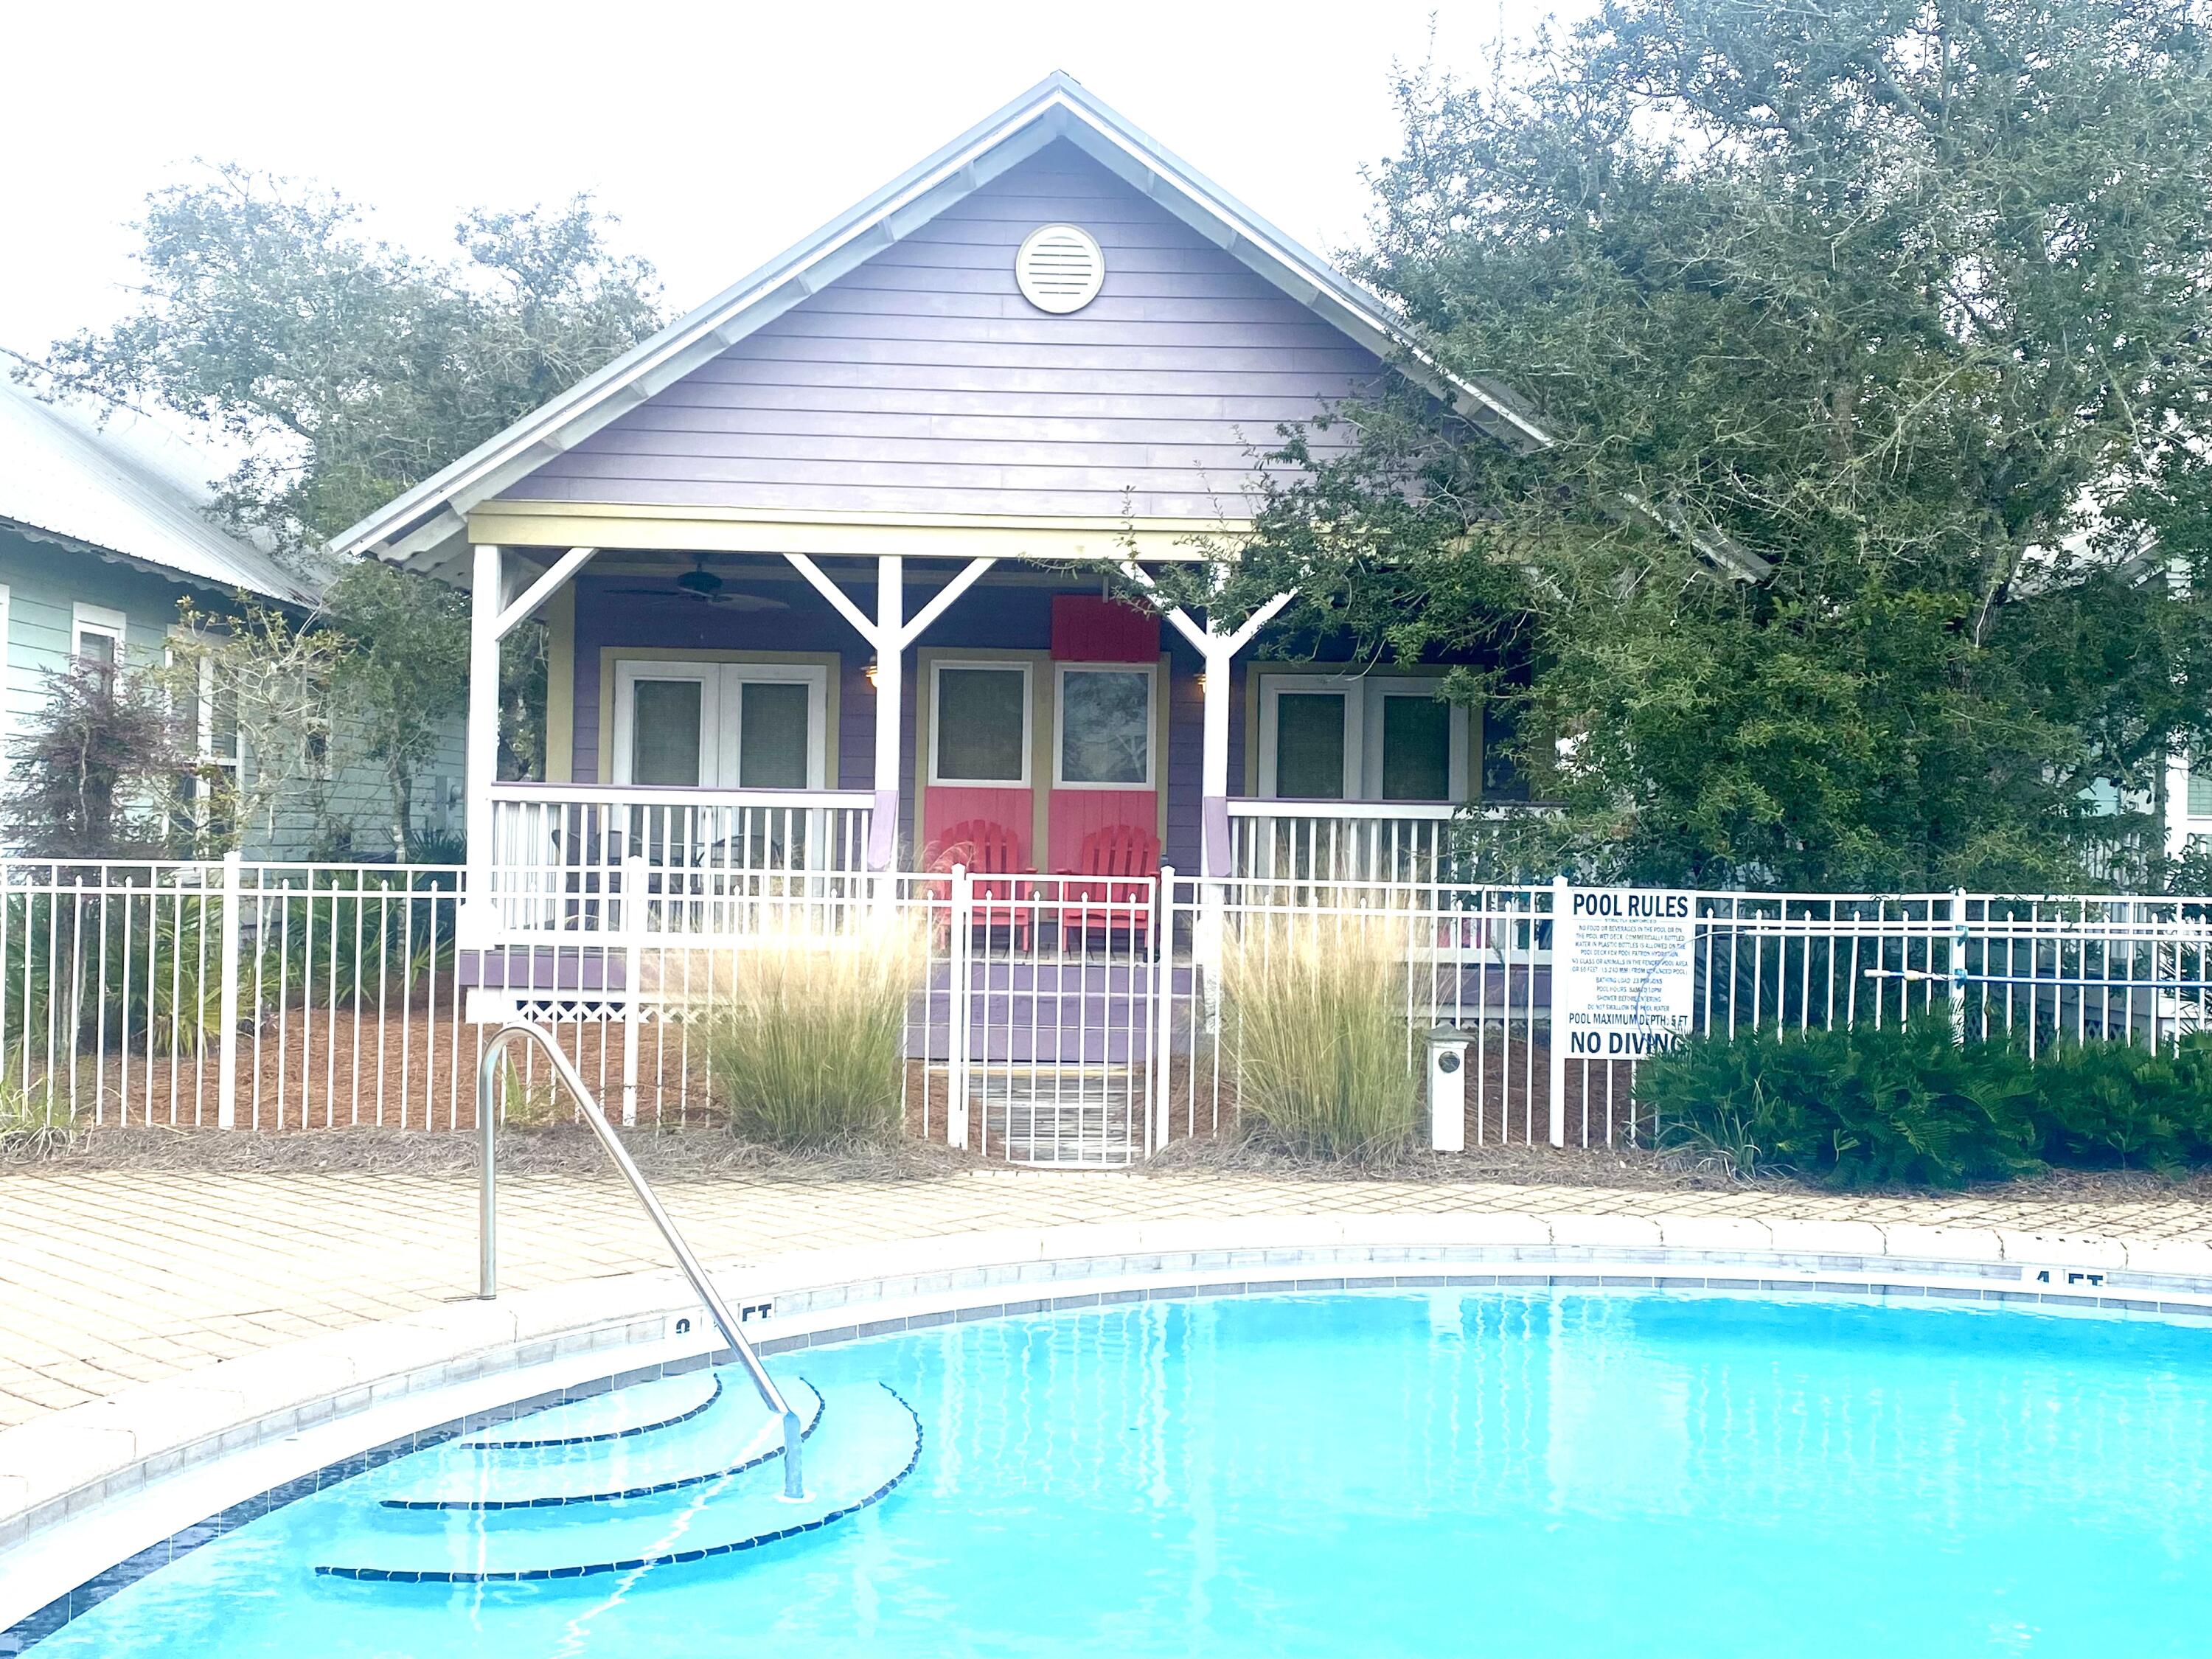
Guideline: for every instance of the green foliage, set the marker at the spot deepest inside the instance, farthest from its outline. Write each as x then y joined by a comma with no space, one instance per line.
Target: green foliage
134,971
402,679
350,369
806,1039
1869,1106
2106,1105
1907,1105
32,1127
1314,1011
1911,305
97,764
344,941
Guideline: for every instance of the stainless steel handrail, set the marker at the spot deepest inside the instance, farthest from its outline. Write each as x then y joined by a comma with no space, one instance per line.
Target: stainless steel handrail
488,1120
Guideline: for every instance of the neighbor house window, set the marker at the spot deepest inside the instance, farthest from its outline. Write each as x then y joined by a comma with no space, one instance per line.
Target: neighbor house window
1104,715
96,635
1368,737
2200,788
979,724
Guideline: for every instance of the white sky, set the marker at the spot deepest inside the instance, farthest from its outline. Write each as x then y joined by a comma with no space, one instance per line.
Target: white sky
721,134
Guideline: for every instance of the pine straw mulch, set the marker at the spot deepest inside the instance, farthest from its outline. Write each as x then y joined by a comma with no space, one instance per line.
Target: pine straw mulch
713,1154
1637,1169
666,1155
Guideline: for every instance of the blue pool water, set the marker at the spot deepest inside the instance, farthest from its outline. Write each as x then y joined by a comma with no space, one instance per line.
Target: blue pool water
1441,1472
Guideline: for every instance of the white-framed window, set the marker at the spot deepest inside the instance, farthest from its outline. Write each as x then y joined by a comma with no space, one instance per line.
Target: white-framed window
979,724
1103,735
96,635
721,725
1361,737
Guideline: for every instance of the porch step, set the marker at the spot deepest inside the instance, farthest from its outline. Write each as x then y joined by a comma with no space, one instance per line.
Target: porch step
1074,1116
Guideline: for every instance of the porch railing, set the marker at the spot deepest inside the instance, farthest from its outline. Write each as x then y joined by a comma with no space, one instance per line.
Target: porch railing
558,849
1334,841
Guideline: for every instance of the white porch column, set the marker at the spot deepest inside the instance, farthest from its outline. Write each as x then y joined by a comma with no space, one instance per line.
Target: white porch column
1214,770
1218,651
479,918
889,633
889,641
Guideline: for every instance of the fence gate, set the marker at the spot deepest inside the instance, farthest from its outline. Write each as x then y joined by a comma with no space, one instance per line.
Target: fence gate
1041,1014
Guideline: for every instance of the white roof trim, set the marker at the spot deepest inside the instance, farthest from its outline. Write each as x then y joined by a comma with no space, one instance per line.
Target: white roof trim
1057,107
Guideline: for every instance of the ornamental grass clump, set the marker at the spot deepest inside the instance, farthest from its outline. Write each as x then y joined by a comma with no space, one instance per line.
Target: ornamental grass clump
805,1037
31,1126
1315,1008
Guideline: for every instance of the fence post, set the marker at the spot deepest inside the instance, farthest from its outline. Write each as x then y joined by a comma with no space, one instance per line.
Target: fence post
1556,1045
226,1088
960,937
1161,933
634,905
1959,966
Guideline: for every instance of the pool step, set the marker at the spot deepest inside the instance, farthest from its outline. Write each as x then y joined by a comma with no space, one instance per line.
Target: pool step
642,1408
687,1450
869,1443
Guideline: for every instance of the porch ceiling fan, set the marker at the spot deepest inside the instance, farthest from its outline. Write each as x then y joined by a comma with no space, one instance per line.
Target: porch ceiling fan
703,585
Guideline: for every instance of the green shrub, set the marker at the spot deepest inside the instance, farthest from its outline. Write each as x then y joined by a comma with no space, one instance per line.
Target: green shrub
805,1037
140,968
1315,1008
1893,1104
2114,1105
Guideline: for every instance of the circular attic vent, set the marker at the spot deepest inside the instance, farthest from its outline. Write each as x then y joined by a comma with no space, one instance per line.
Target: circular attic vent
1060,268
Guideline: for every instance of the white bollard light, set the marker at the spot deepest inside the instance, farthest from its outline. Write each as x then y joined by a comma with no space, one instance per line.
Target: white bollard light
1447,1089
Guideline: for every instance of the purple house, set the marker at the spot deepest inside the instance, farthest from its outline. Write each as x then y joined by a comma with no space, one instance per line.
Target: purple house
809,547
811,558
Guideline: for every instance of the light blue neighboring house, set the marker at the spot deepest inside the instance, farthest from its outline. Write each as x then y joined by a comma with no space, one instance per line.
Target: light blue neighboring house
103,530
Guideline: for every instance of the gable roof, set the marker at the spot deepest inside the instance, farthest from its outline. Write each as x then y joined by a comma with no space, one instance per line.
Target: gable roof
419,524
125,493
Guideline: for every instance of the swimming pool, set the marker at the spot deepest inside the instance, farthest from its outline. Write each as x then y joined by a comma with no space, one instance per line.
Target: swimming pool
1442,1471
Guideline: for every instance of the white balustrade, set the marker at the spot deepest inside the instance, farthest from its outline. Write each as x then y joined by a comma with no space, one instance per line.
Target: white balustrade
559,849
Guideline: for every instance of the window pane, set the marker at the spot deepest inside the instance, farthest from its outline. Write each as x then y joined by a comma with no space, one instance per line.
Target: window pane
1416,748
1105,725
2200,790
1502,776
96,648
772,736
979,725
664,743
1310,745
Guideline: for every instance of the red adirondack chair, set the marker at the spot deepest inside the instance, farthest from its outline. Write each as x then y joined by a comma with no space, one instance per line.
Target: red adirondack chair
1124,850
988,849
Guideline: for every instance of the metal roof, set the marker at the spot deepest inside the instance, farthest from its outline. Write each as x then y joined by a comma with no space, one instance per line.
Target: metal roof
421,523
126,492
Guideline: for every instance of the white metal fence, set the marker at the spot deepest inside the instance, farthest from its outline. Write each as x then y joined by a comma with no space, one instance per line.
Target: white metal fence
230,993
1051,1020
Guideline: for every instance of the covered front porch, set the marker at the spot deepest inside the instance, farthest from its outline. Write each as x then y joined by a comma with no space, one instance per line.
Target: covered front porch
755,725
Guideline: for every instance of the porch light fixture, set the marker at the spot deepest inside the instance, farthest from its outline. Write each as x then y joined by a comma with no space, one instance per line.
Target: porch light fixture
873,664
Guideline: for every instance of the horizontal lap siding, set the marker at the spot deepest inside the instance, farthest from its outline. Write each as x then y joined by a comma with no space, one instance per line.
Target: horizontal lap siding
923,382
349,806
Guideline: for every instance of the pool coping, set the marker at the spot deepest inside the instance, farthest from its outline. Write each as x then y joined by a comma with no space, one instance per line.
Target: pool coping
76,1486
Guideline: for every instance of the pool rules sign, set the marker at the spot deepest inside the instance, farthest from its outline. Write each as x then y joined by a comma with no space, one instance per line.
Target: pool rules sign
1622,977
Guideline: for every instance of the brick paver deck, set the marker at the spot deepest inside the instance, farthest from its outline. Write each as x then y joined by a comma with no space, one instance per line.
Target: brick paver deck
109,1277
